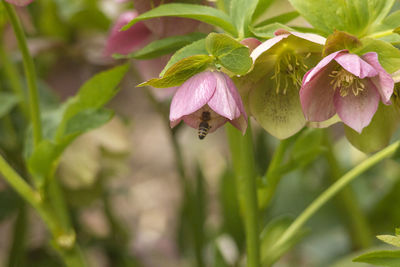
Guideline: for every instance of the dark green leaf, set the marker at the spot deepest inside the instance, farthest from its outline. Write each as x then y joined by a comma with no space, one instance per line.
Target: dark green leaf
199,12
180,72
196,48
241,13
7,102
381,258
87,120
267,31
231,54
262,6
163,46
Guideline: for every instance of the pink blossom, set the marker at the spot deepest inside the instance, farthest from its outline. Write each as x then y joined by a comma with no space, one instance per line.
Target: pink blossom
19,2
124,42
210,93
348,85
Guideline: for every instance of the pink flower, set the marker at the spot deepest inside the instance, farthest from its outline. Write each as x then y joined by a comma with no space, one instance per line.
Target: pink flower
124,42
208,100
348,85
19,2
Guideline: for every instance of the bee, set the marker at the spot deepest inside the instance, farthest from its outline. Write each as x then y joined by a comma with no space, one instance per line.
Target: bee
204,126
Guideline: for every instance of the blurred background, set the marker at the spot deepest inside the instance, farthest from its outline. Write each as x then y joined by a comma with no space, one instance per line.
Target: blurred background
141,194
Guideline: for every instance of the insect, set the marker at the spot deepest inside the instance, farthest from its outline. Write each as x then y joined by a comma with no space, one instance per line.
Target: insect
203,125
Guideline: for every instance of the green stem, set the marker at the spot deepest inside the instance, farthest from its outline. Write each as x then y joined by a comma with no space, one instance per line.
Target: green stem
334,189
244,165
16,254
30,73
13,78
380,34
272,177
359,228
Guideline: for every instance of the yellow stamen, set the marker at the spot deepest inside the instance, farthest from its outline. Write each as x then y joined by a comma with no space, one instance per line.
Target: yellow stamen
346,82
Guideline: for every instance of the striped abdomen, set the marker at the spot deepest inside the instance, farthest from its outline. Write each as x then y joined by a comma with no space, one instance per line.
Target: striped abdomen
203,129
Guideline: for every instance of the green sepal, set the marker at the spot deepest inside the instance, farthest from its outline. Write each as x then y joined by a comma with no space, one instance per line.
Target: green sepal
384,123
340,40
180,72
228,52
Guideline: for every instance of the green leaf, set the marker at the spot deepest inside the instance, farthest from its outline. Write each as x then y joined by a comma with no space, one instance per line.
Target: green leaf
199,12
262,6
94,94
381,258
7,102
307,147
241,13
283,18
352,16
269,252
267,31
389,56
196,48
163,46
80,114
391,22
231,54
390,239
180,72
384,123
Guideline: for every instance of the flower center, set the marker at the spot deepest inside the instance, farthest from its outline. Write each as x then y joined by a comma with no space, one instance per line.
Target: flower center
289,71
346,82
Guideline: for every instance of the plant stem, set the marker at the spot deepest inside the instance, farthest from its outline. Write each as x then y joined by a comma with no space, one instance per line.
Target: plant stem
30,73
380,34
16,254
359,228
334,189
272,177
244,165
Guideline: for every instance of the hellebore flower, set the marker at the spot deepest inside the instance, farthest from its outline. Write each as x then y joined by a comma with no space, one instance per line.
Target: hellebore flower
206,101
19,2
274,83
124,42
348,85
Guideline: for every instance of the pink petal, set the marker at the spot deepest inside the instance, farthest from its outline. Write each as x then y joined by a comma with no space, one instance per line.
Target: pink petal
383,82
357,111
267,45
310,37
240,123
226,99
325,61
192,95
355,65
194,119
124,42
316,95
19,2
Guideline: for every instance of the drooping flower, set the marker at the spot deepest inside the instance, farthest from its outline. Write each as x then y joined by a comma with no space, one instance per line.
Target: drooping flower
207,101
124,42
19,2
348,85
271,89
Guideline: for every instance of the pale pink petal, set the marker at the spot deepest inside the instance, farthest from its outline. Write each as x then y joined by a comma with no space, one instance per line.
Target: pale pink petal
267,45
194,119
383,81
19,2
251,43
357,111
310,37
192,95
226,97
240,123
355,65
316,95
325,61
124,42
